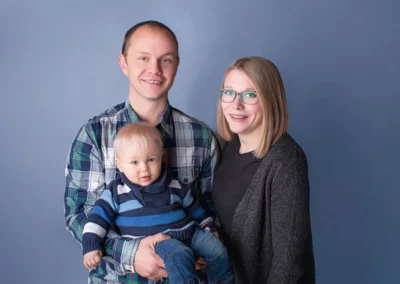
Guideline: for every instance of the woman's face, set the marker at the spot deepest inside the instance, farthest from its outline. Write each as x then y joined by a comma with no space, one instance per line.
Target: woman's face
243,119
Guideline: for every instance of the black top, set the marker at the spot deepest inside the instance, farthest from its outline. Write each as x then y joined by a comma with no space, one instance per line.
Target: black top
231,180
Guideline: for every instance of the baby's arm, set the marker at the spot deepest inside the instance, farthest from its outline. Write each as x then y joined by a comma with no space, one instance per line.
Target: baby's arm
96,227
193,208
92,258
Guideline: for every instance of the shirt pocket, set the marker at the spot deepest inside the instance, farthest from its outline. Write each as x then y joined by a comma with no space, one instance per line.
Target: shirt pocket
189,178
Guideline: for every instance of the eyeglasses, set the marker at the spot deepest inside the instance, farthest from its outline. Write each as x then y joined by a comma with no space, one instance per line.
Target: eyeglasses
247,97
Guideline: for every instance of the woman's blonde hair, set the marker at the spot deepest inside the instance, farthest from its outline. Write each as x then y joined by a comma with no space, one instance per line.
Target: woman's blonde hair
268,83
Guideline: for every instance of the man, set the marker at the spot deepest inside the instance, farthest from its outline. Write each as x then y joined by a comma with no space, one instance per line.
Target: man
150,60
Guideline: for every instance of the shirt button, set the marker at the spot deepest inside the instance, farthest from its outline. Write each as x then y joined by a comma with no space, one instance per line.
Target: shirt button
185,180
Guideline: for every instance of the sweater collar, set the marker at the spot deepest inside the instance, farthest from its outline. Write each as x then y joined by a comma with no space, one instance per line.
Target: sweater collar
160,185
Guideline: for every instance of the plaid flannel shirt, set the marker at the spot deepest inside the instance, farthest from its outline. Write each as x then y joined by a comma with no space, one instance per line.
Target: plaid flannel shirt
191,154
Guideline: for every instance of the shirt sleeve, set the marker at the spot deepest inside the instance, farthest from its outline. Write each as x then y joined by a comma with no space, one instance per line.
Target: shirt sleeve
207,176
85,181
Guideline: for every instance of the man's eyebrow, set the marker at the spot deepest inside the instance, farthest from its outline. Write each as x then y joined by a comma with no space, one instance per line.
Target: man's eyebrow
169,53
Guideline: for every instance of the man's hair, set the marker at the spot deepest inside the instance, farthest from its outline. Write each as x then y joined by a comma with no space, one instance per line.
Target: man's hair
151,24
137,134
268,83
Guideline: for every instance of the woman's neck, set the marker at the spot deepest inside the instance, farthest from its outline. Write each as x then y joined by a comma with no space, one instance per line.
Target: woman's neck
248,143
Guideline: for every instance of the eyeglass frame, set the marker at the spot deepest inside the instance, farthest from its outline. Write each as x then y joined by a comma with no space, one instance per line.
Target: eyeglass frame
241,94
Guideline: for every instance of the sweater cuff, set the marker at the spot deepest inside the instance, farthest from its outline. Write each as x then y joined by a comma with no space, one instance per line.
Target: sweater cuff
91,246
208,222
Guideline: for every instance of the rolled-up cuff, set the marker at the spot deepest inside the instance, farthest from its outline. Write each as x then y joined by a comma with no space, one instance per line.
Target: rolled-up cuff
125,250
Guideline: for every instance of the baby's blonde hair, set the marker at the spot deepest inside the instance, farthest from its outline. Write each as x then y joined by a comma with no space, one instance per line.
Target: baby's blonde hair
138,134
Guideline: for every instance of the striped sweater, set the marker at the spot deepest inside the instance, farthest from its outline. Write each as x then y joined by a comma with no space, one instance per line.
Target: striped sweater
164,206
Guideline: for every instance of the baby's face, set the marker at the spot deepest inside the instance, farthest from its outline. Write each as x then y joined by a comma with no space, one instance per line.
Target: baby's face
141,163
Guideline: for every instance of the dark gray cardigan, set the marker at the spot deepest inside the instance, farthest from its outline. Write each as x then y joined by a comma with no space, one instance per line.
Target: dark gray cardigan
271,231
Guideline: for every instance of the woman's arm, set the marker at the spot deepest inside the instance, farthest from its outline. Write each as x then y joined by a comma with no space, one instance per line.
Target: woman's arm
290,221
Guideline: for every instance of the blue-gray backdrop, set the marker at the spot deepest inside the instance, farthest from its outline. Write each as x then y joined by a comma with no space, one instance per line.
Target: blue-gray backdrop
340,64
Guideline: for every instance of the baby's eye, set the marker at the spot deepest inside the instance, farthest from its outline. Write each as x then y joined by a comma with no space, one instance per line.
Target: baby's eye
152,160
134,163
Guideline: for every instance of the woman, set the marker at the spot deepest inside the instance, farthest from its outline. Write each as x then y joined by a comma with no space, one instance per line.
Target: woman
261,188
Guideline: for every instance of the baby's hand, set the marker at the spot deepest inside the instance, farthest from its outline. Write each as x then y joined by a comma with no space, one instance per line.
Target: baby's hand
215,233
92,258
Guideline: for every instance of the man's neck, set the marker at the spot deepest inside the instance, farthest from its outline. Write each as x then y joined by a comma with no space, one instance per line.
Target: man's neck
149,111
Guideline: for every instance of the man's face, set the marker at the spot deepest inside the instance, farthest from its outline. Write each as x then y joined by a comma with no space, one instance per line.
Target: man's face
151,62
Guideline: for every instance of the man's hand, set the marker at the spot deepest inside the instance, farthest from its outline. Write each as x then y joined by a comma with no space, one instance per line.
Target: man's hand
92,258
147,263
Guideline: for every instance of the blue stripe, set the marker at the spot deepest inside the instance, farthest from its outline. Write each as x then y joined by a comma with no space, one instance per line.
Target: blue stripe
175,199
188,199
107,197
198,212
149,221
129,205
100,212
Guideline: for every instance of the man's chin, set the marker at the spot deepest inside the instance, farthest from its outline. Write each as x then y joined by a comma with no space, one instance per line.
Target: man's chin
157,97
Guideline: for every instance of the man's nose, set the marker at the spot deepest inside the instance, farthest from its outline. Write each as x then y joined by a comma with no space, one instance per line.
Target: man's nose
155,67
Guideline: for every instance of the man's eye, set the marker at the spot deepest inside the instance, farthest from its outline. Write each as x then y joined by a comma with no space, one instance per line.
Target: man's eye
143,58
250,95
166,60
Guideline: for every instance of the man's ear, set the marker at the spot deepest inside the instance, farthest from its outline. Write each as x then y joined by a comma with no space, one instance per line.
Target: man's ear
122,64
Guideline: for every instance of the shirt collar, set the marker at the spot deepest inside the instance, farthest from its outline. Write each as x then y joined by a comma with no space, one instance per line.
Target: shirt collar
165,121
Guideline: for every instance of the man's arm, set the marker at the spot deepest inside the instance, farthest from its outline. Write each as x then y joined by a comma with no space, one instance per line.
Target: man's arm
85,181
